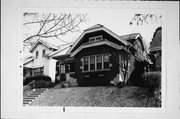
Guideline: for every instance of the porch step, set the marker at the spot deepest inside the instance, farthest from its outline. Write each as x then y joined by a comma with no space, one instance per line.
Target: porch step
33,95
29,98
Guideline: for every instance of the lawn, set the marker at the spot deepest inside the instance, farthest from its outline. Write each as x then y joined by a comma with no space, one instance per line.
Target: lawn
101,96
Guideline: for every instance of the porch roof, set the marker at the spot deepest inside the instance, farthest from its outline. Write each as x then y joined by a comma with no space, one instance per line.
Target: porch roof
60,53
27,60
33,67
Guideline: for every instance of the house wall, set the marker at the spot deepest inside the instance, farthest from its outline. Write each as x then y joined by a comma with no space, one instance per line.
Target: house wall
137,67
96,77
41,60
52,69
131,74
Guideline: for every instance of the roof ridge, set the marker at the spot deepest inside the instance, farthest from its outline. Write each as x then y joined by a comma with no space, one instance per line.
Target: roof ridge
94,27
129,34
49,43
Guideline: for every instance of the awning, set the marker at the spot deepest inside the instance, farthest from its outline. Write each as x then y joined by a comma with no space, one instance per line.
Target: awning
34,67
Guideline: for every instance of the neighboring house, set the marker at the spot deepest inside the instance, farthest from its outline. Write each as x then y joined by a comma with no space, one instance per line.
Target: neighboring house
39,63
155,49
99,56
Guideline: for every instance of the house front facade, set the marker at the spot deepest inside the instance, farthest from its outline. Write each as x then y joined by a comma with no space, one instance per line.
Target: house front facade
155,49
39,63
100,56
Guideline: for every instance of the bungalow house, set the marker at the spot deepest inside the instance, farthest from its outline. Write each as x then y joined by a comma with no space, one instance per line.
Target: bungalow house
155,49
39,63
99,56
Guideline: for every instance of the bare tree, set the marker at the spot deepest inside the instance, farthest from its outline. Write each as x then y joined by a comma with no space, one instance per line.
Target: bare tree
50,25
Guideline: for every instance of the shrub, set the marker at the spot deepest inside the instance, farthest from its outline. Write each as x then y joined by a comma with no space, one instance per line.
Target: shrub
43,84
152,79
153,83
40,81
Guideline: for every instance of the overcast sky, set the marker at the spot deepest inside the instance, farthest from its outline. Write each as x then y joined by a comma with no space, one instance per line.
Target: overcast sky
117,20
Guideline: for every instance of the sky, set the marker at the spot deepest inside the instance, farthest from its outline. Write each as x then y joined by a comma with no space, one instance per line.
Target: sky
117,20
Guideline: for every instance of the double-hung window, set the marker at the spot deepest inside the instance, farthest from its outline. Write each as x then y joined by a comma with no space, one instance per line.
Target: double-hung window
99,62
92,62
106,61
43,54
36,54
86,64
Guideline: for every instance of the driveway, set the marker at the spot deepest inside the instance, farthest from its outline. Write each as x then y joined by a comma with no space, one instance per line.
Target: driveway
101,96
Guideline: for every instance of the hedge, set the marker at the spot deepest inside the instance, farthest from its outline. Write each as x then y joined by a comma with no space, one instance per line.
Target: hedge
40,81
152,80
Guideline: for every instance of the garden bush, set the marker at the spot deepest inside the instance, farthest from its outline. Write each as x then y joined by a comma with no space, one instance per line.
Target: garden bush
153,83
152,79
40,81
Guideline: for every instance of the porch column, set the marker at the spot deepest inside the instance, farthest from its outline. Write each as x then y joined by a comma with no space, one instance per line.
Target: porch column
120,72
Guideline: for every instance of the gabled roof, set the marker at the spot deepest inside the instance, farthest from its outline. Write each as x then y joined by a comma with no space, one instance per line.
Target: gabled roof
106,42
48,45
130,36
61,51
28,59
95,28
156,41
133,36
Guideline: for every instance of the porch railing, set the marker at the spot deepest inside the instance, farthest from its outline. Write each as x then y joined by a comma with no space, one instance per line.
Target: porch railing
29,86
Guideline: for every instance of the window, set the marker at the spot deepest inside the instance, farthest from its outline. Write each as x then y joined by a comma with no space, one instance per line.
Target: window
99,62
92,39
43,54
36,54
106,61
96,62
38,71
86,62
96,38
92,63
62,69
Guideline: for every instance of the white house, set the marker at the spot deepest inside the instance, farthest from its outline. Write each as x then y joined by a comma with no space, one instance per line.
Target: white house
39,62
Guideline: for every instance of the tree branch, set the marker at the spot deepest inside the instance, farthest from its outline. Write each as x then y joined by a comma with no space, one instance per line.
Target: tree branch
53,25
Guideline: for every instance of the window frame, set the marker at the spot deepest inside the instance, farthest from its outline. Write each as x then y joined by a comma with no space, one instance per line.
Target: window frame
106,61
102,63
86,64
92,63
43,52
95,38
37,53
